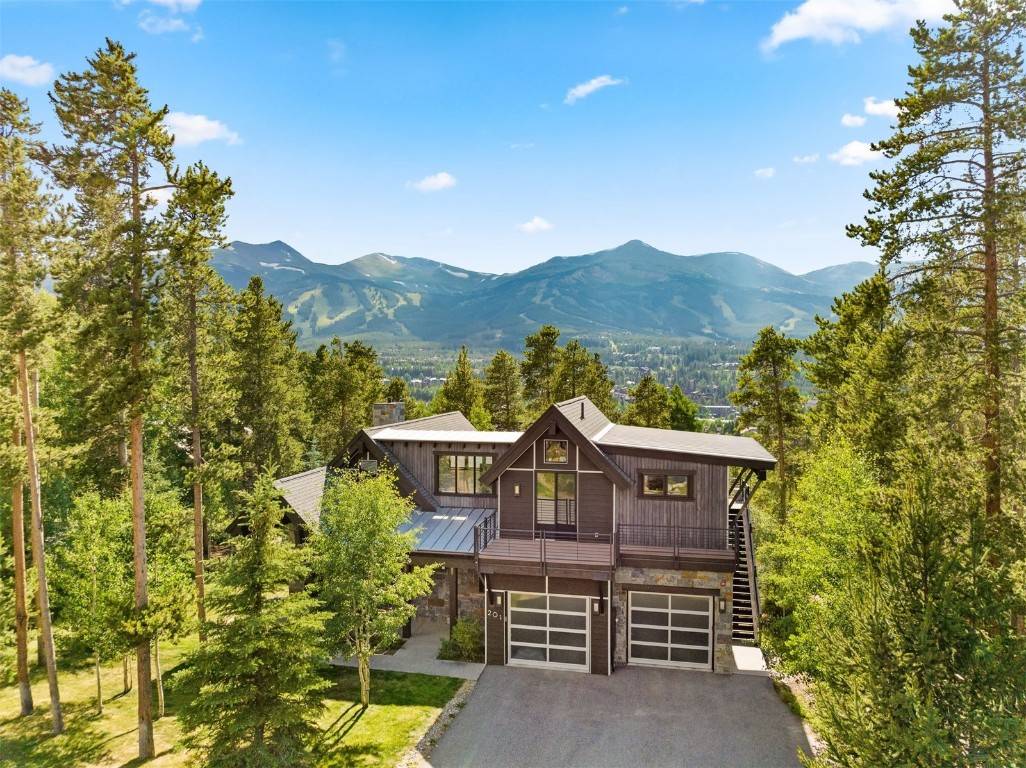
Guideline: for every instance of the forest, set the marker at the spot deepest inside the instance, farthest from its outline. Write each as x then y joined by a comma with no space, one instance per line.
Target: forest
149,408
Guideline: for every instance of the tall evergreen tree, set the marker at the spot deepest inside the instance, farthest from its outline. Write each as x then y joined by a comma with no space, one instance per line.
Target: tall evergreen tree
947,216
462,391
503,397
538,368
345,383
266,374
650,406
580,372
196,305
116,143
26,237
257,681
683,411
770,402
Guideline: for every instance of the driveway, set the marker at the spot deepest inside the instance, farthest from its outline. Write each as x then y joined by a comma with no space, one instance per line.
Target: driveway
636,718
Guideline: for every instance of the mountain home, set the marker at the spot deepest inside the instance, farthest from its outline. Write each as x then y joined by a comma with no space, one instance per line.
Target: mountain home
579,543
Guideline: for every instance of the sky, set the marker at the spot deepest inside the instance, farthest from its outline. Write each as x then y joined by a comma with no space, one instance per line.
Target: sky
493,136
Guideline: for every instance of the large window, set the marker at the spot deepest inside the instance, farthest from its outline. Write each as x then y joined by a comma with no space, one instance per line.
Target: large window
556,498
663,485
460,473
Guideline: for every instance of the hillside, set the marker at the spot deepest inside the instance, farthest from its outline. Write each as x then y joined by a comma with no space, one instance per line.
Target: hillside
631,289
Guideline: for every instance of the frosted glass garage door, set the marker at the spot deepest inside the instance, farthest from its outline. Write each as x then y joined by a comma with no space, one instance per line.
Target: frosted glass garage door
670,630
548,630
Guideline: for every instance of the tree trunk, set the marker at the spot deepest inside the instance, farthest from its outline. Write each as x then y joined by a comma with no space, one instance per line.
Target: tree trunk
99,689
160,676
126,675
142,650
38,552
197,463
20,599
363,664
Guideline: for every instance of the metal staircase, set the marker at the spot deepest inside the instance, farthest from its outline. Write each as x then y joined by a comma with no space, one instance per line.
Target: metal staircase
745,619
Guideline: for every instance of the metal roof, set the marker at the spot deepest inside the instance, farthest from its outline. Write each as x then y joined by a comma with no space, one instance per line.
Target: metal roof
303,493
445,436
448,530
741,449
449,420
585,416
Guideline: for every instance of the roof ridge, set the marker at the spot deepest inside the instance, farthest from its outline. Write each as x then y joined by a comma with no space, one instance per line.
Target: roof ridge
422,418
300,474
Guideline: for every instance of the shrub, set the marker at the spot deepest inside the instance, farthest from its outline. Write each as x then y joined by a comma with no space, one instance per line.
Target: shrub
465,642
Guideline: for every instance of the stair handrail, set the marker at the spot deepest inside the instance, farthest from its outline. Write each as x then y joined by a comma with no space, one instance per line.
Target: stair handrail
753,584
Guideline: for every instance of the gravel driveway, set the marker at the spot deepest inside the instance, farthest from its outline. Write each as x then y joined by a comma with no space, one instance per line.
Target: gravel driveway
636,718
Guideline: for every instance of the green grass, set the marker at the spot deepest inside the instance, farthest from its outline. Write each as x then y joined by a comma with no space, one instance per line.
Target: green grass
402,705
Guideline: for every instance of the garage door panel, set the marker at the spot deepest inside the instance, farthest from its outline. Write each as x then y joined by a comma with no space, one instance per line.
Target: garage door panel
527,653
568,621
549,630
523,635
570,604
572,639
672,630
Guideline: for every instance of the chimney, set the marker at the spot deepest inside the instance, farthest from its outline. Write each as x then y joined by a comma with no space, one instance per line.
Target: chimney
387,413
582,410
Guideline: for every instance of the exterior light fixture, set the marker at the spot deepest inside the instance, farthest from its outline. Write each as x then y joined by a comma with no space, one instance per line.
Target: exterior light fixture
723,605
516,489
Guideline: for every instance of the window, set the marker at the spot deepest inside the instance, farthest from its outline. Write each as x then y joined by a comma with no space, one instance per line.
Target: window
555,451
460,473
663,485
556,498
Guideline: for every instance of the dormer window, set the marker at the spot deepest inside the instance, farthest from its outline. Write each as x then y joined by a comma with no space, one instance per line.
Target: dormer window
556,451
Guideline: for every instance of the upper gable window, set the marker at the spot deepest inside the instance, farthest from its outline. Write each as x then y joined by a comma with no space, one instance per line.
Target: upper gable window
556,451
663,485
460,474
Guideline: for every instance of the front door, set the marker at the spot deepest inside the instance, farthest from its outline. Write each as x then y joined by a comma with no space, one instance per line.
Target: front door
670,630
555,495
548,631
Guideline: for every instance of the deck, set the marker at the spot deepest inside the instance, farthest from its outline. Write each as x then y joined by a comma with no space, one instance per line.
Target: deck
555,552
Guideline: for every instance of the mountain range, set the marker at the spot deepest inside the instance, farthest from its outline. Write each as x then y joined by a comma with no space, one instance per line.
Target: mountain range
633,289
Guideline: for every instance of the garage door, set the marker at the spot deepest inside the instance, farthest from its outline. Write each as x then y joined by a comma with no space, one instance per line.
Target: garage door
670,630
548,630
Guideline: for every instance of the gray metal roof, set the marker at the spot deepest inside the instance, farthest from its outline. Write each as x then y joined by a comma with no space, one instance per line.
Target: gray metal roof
741,449
448,530
390,434
594,420
451,420
303,493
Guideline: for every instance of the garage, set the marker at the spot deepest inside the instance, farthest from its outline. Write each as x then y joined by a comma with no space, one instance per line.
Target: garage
670,630
548,630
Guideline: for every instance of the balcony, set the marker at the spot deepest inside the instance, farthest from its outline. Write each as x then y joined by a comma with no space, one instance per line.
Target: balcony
652,546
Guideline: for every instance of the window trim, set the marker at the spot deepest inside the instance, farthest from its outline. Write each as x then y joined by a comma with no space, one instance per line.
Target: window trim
666,473
437,453
555,472
545,447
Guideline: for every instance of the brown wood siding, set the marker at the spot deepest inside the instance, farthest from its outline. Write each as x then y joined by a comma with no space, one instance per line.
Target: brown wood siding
707,510
539,451
516,512
600,639
560,586
594,503
418,458
525,460
515,583
495,629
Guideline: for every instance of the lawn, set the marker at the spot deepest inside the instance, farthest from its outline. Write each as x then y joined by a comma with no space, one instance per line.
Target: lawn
402,705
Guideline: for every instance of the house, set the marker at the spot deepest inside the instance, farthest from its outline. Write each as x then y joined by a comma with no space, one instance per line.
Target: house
581,544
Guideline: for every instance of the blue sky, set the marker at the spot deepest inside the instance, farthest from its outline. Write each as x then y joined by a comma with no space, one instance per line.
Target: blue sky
493,136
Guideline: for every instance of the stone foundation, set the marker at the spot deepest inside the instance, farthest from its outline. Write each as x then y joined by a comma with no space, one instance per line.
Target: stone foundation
721,583
434,607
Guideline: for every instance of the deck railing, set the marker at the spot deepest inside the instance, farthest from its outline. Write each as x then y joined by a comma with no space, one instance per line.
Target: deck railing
547,546
676,538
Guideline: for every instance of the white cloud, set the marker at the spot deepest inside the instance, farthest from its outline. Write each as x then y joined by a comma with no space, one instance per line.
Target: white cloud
160,196
336,51
434,183
583,90
765,173
622,10
845,21
190,130
25,70
806,159
881,108
854,153
178,6
535,225
849,120
159,25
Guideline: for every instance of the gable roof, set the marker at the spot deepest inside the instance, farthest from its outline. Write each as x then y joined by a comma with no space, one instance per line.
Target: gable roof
454,420
554,415
303,493
703,446
408,484
585,414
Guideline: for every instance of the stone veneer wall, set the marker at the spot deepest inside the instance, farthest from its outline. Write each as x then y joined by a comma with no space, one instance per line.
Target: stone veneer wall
435,606
723,657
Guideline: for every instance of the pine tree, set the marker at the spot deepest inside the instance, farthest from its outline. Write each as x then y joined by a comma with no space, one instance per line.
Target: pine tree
651,404
267,376
257,677
345,384
117,141
683,411
503,396
462,391
26,238
196,306
770,402
362,566
398,391
580,372
538,368
947,217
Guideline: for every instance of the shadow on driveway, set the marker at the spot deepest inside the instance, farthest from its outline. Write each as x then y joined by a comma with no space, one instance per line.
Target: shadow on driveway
636,718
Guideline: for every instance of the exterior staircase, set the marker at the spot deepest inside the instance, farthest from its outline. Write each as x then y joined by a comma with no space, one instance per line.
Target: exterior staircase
745,629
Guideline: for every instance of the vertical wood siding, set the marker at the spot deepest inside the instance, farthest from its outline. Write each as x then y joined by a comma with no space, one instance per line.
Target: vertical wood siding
708,510
419,460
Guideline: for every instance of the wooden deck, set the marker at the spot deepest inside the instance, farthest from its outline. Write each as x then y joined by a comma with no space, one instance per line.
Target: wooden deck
571,553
